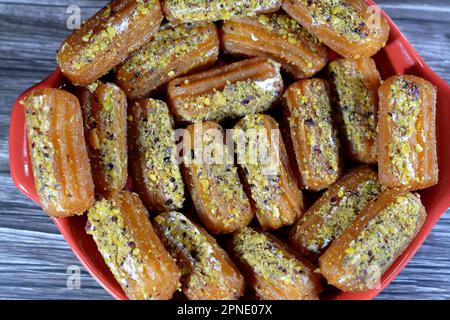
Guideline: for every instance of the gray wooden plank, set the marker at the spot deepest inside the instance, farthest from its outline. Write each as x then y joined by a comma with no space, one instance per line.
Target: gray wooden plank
33,255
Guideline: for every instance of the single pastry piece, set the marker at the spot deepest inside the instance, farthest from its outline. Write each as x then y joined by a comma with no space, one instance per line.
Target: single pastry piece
213,10
350,27
208,272
270,181
174,51
357,260
213,180
355,86
226,92
154,165
105,129
336,209
131,249
271,270
59,158
312,135
279,37
407,156
106,39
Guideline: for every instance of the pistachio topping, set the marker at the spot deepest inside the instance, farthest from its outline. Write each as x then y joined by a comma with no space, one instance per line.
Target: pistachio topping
405,104
264,173
342,17
156,142
168,45
383,238
184,238
267,259
115,241
38,115
113,161
93,86
144,7
356,108
96,43
338,213
288,28
211,10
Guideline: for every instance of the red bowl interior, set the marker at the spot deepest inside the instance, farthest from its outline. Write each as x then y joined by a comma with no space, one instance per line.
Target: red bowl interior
398,57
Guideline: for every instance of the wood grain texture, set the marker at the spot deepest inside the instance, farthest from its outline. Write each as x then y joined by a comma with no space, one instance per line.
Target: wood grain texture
33,255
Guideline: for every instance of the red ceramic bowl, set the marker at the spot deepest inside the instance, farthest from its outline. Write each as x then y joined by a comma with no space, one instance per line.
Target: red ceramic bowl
398,57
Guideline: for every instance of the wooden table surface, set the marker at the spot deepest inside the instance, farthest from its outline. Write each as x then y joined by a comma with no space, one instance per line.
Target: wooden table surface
34,258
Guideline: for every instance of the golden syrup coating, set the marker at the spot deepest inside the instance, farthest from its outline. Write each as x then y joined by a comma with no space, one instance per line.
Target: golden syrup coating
107,38
269,178
307,110
374,241
153,156
279,37
213,181
59,158
105,122
131,249
173,52
212,10
407,142
208,272
328,218
355,83
272,271
226,92
349,27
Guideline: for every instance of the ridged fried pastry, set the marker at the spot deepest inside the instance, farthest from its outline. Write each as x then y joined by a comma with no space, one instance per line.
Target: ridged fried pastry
59,158
208,271
350,27
226,92
357,260
131,249
407,155
105,128
355,86
175,51
271,270
307,112
106,39
278,37
154,167
269,178
214,185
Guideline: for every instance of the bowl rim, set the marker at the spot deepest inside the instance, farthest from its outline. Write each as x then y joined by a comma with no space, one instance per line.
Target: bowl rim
19,175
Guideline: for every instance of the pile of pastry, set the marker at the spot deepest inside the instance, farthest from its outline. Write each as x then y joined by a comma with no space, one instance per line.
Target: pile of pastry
143,71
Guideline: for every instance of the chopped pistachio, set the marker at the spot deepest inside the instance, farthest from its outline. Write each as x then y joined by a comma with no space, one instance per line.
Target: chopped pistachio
211,10
156,142
182,237
168,45
342,17
405,104
115,241
266,258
